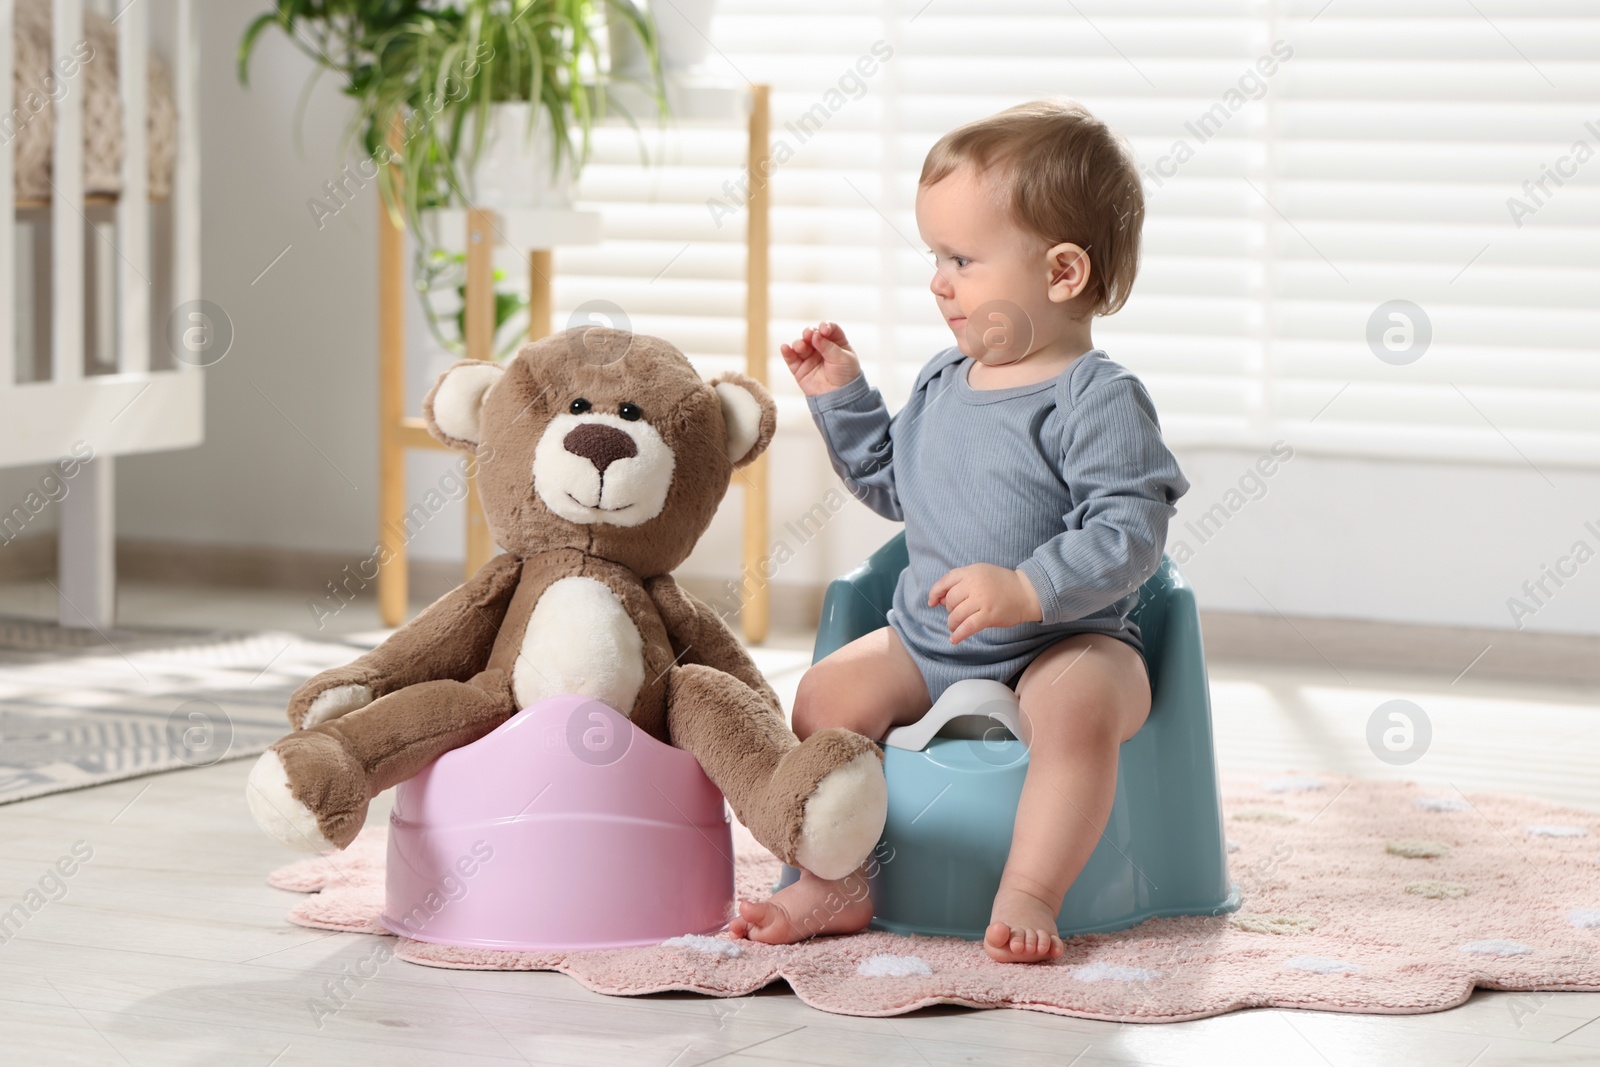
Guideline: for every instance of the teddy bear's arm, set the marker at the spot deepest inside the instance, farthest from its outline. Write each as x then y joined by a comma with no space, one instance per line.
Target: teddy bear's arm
700,636
450,638
820,803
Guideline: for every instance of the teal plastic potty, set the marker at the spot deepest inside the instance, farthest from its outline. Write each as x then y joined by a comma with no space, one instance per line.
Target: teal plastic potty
956,775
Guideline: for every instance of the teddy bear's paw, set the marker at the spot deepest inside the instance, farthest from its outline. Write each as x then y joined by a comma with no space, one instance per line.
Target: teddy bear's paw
334,702
280,816
844,817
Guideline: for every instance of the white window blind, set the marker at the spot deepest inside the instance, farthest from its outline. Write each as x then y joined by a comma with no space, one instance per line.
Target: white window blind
1306,164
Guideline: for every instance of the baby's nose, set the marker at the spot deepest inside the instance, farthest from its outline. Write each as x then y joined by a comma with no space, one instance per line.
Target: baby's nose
600,444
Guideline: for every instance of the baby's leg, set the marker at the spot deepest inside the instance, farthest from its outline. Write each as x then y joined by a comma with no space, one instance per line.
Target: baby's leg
1081,698
869,686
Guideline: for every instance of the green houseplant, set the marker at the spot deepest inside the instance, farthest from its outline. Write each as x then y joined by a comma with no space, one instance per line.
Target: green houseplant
426,75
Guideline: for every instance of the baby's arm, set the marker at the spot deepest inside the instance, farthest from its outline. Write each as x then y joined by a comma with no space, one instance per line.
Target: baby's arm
851,415
1126,482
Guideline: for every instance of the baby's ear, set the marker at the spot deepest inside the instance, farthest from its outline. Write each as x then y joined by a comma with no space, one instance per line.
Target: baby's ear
750,414
453,407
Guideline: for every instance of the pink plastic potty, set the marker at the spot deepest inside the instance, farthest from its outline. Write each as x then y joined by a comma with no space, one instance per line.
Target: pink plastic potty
566,828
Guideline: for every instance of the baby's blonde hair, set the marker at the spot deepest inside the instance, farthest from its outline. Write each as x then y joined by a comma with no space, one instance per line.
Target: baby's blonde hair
1063,175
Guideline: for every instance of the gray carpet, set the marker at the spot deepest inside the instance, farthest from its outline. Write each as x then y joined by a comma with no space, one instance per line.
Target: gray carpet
78,708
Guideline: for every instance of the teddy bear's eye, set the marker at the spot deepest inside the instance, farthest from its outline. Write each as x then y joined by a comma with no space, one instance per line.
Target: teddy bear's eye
579,406
630,411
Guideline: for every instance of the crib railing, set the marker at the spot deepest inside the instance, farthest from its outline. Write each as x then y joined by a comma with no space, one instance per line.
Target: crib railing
137,408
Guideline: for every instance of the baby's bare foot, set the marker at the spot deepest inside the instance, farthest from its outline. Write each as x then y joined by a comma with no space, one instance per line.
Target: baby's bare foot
808,907
1022,929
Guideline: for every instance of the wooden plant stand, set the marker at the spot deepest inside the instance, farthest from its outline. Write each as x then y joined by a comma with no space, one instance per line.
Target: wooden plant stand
538,232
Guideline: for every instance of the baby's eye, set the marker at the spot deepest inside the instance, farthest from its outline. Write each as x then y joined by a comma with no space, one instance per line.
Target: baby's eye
963,260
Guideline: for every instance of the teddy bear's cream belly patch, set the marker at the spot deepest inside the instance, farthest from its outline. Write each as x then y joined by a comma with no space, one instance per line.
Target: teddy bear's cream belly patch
580,640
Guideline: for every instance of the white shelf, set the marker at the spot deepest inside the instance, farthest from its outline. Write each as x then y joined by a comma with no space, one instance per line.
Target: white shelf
525,229
694,99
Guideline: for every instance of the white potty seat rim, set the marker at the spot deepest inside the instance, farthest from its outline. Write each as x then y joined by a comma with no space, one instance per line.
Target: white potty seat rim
980,697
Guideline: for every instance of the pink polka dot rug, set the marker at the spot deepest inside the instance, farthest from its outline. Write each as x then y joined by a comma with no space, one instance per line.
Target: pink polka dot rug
1357,896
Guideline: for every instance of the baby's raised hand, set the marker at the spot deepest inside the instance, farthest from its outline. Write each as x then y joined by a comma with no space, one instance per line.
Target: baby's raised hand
821,360
981,595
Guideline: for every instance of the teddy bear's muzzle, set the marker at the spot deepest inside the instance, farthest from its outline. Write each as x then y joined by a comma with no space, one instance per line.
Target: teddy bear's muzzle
600,468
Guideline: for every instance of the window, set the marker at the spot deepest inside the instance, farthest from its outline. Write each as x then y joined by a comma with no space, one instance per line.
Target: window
1373,228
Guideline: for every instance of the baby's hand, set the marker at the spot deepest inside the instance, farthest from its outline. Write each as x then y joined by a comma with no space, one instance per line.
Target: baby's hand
822,360
982,595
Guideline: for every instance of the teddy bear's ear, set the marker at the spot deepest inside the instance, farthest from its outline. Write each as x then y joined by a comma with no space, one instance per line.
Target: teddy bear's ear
750,414
452,407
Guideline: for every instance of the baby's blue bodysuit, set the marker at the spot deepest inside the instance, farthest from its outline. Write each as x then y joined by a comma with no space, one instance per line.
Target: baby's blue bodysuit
1067,480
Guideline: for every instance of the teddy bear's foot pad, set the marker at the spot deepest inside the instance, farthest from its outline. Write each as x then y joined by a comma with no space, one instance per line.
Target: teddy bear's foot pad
844,817
279,815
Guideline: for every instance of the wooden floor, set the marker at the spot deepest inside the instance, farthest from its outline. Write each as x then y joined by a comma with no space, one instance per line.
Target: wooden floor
168,948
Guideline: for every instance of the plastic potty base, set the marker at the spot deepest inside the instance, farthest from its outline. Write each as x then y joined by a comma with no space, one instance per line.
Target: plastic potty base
519,946
967,933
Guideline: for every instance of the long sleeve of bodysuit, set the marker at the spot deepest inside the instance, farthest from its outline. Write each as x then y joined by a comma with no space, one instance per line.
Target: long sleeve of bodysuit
1124,482
855,423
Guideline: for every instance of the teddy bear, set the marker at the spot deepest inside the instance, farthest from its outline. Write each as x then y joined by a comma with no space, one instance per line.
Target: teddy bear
602,457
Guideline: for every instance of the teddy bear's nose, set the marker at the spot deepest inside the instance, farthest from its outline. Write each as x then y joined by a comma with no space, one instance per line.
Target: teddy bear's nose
600,444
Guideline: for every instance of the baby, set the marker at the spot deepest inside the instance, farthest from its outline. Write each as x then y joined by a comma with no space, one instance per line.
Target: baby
1035,488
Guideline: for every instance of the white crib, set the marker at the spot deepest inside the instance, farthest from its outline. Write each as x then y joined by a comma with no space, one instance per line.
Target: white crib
133,405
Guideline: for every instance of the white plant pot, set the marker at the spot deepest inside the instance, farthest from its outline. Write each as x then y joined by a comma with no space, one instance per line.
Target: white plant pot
684,27
513,170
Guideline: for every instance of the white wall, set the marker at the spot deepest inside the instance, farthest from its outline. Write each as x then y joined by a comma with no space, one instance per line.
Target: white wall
1407,542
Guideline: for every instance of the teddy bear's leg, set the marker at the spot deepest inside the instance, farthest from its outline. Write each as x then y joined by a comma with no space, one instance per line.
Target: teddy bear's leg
820,804
310,790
